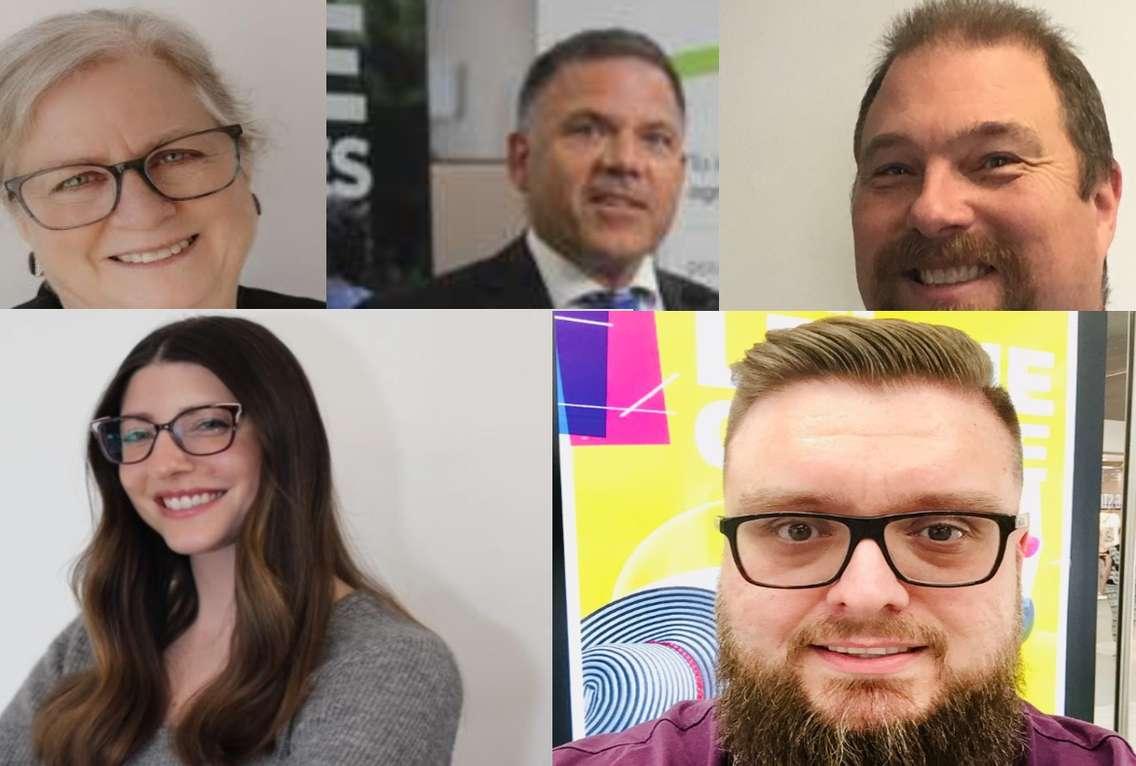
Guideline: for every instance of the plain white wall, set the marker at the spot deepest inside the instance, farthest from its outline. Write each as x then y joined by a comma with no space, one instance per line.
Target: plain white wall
274,55
441,443
792,77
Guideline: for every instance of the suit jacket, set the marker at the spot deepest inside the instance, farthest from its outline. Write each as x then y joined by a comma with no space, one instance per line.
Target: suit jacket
511,280
247,298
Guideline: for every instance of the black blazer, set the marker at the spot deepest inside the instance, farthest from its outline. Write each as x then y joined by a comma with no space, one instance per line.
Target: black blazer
511,280
247,298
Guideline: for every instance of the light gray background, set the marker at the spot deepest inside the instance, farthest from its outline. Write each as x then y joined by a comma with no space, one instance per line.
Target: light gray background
440,445
792,77
274,56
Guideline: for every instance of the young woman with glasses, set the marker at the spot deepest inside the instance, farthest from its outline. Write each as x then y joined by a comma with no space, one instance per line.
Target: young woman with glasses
125,162
223,619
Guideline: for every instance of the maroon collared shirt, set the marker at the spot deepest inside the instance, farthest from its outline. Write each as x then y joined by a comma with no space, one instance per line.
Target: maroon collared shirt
686,735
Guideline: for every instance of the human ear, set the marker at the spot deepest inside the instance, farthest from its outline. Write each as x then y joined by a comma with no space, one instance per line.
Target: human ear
518,159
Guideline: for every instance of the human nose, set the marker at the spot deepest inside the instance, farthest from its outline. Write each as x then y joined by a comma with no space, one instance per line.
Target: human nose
868,585
167,457
942,207
622,154
139,206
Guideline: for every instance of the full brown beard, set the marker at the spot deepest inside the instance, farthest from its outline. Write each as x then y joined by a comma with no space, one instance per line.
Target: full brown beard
765,717
898,258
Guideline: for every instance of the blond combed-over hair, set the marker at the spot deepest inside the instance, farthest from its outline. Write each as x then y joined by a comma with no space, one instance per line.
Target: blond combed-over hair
878,352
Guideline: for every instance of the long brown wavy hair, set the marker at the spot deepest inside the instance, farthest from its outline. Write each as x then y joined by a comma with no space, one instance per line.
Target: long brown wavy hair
137,595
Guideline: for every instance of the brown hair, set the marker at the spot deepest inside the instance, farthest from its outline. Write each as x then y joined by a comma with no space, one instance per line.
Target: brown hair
871,351
987,22
137,595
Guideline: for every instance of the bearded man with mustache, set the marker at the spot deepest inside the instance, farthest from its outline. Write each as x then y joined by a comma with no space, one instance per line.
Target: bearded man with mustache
985,174
869,603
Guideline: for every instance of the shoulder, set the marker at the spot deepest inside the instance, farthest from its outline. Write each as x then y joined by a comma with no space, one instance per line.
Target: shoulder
507,279
363,630
68,653
683,735
682,294
255,298
44,298
1055,739
386,691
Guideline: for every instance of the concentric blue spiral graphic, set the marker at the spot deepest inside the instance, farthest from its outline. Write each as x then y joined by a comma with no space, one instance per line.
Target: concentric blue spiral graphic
645,652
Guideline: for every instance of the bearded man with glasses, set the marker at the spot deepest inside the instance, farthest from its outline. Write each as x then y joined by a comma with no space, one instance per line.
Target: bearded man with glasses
869,606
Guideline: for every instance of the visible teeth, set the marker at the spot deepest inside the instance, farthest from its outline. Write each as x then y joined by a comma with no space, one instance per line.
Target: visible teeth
185,502
876,651
155,255
950,276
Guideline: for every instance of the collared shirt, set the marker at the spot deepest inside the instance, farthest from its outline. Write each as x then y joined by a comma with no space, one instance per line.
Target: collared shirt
566,282
686,735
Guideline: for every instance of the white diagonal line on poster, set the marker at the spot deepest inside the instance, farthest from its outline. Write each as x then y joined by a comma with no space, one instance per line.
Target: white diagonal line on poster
670,379
618,409
595,322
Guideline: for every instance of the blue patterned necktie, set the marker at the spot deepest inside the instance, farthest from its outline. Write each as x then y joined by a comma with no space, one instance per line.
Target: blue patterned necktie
629,298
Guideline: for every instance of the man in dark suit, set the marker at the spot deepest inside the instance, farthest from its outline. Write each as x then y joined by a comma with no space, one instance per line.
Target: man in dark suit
598,156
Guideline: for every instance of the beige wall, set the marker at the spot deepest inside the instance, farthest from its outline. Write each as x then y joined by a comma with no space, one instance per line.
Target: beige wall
478,56
475,212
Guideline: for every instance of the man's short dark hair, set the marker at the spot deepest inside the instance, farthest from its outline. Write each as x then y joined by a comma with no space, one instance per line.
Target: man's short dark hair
594,45
986,22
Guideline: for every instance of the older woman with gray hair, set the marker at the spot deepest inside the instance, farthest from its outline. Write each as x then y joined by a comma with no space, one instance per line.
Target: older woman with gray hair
125,164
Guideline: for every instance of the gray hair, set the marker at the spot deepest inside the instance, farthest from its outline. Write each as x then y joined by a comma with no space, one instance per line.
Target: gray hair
37,58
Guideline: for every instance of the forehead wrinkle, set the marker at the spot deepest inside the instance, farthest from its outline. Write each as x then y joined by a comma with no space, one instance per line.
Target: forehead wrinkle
1026,136
789,500
110,118
577,82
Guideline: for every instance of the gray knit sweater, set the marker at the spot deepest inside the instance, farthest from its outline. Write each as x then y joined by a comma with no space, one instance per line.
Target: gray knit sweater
387,692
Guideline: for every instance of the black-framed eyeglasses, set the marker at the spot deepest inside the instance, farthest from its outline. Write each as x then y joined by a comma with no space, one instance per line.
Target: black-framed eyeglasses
934,549
192,166
204,430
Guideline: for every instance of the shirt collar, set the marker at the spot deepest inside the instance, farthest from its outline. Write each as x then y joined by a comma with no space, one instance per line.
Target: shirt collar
566,282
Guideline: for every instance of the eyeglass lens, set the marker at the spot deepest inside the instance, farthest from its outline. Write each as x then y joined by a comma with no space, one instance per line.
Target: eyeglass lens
799,551
204,431
182,169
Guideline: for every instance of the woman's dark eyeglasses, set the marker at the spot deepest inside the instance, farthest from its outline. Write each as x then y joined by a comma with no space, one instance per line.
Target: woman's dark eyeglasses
67,197
200,431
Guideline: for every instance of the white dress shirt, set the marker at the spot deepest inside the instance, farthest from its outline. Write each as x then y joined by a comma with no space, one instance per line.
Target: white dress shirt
566,282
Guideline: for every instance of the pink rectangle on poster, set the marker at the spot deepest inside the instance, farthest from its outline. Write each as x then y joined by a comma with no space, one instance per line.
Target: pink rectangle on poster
633,370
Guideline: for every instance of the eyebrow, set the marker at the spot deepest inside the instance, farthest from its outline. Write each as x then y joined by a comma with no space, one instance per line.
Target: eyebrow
592,114
790,501
1015,131
182,411
162,138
